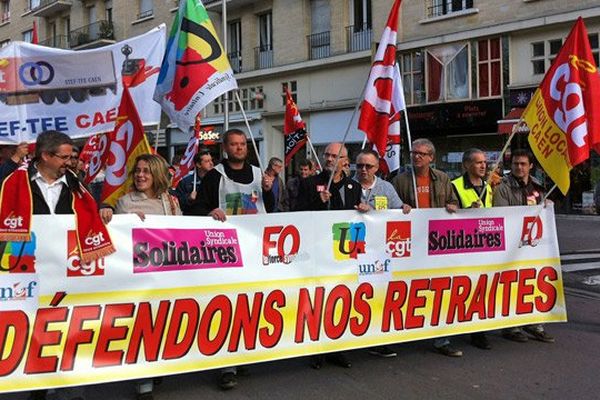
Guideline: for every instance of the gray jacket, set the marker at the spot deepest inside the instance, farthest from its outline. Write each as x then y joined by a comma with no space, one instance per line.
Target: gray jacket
512,193
382,189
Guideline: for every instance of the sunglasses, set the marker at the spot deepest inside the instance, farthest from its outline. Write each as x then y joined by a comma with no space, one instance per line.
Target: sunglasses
419,154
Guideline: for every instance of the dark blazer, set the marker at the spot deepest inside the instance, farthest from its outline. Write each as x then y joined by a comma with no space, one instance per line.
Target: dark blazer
345,194
65,200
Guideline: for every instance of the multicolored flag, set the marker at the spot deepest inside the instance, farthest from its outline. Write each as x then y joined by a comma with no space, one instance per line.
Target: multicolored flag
195,69
384,96
564,113
187,161
126,142
294,129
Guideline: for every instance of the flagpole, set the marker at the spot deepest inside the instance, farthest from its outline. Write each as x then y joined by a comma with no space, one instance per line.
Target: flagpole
501,155
237,96
314,152
226,94
409,138
337,157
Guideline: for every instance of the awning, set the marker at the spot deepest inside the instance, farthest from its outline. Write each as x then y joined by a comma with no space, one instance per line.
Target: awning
505,125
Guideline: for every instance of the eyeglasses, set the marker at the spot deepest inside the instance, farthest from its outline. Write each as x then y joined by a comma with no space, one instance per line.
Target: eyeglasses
65,157
419,154
365,166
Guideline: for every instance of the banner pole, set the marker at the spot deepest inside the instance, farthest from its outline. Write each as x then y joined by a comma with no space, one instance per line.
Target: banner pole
226,94
237,96
409,138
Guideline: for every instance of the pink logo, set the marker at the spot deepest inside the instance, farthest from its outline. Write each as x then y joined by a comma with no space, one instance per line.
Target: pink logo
474,235
160,250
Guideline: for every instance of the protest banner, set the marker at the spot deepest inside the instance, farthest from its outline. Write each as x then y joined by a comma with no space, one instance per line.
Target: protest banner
184,294
76,92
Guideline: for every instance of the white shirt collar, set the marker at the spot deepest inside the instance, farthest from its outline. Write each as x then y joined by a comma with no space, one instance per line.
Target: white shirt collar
37,177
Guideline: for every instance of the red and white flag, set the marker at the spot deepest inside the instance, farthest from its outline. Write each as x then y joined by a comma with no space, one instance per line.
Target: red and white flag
384,96
187,161
94,155
294,129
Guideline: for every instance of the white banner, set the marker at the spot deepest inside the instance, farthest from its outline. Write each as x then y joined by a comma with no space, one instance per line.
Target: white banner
188,293
77,92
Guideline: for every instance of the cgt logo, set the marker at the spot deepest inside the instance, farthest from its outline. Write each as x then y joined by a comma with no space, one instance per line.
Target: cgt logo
94,240
74,265
398,239
532,231
13,222
280,244
348,240
18,257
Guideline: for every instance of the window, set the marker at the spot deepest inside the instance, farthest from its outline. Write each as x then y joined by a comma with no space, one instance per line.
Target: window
146,9
234,38
4,43
4,11
293,88
264,52
438,8
31,4
448,73
411,65
252,98
28,36
361,15
593,38
543,54
489,68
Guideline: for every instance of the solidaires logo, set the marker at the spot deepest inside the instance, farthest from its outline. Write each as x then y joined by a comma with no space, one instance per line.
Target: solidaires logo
348,240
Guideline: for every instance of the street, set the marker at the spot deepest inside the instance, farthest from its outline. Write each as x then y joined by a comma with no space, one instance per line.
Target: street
532,370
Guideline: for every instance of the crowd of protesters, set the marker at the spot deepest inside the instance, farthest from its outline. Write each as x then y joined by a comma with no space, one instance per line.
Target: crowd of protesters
235,187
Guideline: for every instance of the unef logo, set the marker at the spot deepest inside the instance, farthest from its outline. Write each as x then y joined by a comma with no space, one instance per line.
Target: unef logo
18,257
532,231
18,291
398,239
74,265
280,244
348,240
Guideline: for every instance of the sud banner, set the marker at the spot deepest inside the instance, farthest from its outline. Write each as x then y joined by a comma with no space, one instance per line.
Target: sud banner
77,92
189,293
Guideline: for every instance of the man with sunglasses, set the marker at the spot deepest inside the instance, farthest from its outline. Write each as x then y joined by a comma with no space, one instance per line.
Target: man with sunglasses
434,190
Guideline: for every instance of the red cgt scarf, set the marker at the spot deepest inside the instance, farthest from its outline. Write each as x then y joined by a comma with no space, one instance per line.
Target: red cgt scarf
16,209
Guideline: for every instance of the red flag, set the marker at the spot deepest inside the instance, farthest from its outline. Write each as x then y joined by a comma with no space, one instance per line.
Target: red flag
294,129
384,97
564,113
126,142
187,161
34,34
94,155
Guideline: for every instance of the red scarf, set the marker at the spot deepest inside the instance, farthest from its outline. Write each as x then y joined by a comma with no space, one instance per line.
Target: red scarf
16,208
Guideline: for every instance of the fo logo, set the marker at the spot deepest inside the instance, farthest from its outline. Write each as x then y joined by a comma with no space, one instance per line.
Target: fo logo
532,231
75,267
280,244
348,240
398,239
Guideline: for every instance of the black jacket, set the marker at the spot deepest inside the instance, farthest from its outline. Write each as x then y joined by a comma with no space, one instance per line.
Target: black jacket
65,200
345,194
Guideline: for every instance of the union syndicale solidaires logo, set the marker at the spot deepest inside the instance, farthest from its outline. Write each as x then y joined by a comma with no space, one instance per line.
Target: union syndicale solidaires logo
348,240
161,250
18,257
75,267
398,239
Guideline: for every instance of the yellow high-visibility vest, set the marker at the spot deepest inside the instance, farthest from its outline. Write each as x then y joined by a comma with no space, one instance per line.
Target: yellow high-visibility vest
468,196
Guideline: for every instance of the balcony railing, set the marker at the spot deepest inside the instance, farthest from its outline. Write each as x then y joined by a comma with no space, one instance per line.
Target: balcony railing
235,60
359,37
319,45
99,30
59,41
5,17
50,7
146,14
263,56
439,8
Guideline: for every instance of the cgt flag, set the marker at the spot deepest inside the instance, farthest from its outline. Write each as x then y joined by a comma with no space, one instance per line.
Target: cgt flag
564,113
384,97
187,162
125,143
294,129
195,69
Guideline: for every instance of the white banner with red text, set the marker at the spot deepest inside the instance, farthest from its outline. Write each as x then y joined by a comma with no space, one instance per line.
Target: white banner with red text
76,92
186,294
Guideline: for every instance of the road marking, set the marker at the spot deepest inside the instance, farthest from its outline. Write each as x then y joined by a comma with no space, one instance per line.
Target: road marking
580,262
